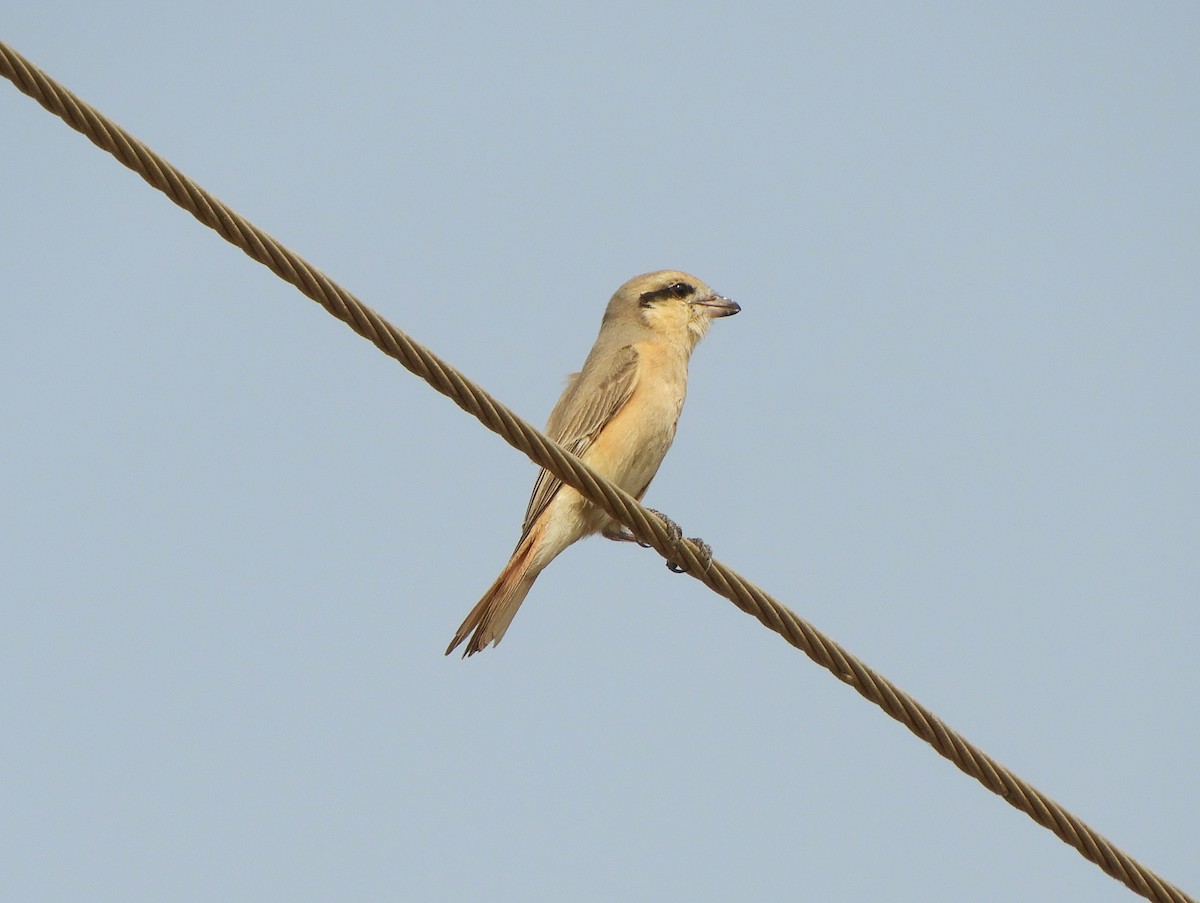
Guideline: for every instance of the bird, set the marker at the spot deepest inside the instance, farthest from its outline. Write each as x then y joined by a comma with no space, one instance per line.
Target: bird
618,414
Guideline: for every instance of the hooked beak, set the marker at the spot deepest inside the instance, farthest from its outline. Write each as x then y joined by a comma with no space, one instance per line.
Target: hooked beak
718,306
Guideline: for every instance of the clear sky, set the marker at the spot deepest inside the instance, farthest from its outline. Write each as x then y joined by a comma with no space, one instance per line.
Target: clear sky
955,426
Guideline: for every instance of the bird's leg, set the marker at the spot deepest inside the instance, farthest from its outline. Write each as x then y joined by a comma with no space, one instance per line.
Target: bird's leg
621,534
705,556
617,533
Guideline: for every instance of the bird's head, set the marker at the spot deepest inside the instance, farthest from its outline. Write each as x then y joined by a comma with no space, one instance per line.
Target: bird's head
670,303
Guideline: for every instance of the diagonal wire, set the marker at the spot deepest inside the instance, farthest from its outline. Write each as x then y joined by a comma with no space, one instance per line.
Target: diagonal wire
495,416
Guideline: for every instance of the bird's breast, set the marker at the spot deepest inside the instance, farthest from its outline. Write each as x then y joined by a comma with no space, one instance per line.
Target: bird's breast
631,447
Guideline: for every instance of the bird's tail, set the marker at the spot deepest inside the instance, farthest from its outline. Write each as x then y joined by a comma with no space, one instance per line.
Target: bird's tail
494,612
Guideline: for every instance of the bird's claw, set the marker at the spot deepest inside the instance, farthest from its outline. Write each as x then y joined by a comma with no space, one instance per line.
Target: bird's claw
676,537
672,528
705,556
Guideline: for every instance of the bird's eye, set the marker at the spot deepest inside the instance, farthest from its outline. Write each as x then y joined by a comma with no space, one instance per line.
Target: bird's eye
680,290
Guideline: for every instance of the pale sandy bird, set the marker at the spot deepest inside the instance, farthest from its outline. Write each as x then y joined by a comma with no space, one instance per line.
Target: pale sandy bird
618,414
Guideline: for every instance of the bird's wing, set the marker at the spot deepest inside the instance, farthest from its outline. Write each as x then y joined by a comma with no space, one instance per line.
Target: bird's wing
586,407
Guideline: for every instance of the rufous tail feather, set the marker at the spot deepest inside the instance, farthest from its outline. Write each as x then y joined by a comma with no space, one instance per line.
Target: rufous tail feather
494,612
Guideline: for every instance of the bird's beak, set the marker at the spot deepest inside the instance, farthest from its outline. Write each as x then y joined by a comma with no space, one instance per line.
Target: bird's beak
718,306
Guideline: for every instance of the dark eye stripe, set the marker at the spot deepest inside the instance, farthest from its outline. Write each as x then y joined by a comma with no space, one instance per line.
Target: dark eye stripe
674,290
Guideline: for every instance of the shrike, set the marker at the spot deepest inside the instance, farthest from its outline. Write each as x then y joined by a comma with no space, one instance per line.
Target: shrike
617,414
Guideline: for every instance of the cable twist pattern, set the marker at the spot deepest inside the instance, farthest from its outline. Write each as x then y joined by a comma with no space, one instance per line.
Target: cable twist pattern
516,432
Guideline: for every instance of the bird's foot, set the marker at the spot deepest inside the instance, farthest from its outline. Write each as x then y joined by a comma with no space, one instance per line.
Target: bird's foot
672,527
705,556
676,536
621,534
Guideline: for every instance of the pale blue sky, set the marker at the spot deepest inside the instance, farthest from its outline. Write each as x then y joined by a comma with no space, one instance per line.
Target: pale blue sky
955,426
